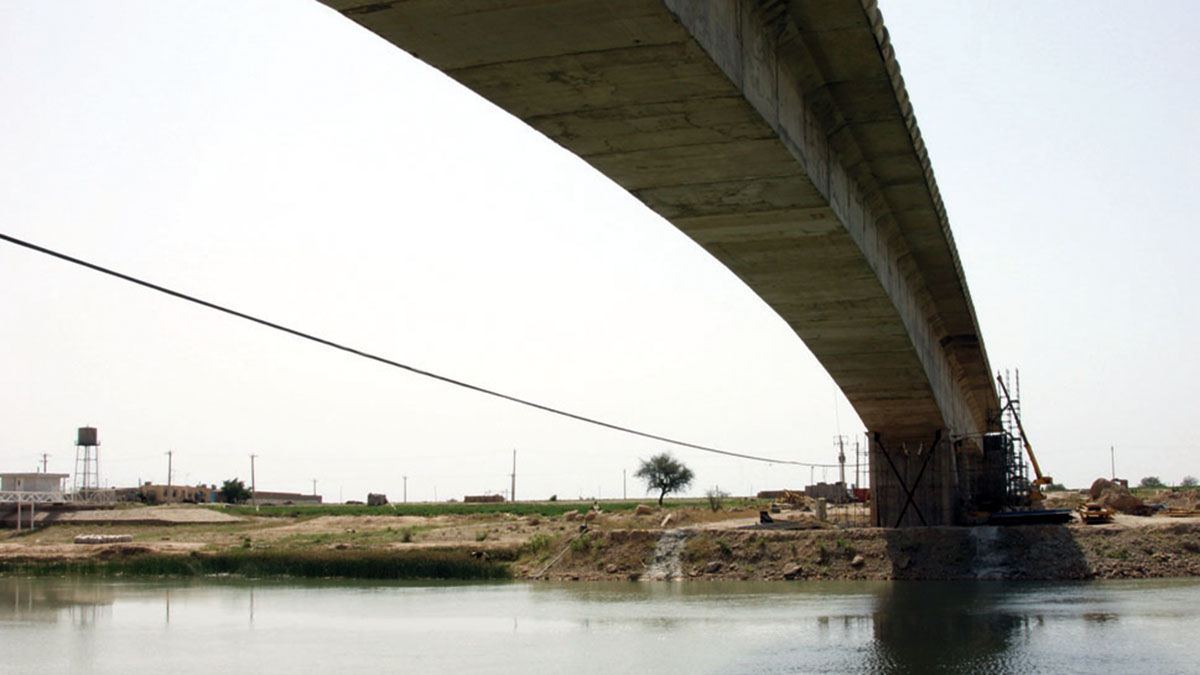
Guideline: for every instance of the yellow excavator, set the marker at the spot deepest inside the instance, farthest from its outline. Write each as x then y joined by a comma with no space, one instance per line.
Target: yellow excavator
1035,492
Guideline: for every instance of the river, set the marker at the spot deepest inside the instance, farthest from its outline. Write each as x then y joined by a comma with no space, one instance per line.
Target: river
228,626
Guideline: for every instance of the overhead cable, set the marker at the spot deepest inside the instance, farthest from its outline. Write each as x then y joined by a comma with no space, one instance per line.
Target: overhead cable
396,364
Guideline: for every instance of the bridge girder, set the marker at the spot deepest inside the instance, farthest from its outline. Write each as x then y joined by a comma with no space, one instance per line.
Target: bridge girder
777,135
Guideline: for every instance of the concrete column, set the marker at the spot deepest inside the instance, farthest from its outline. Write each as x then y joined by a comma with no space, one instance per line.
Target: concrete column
914,482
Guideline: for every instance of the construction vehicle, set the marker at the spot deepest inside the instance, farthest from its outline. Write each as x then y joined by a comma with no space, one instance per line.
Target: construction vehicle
1092,514
1035,492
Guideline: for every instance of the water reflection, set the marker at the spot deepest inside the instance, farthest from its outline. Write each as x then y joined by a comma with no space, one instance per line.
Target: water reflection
34,600
947,627
902,627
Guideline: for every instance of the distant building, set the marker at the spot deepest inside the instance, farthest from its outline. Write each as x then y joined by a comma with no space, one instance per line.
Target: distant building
830,492
476,499
174,494
276,498
32,482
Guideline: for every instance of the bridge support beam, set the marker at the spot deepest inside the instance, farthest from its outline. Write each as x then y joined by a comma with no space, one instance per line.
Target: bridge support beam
914,481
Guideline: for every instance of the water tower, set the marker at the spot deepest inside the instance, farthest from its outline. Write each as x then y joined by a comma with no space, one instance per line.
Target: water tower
87,461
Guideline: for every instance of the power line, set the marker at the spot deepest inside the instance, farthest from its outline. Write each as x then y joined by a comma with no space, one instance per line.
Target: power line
396,364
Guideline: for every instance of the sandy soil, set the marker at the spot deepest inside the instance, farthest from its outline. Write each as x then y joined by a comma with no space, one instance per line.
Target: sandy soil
175,514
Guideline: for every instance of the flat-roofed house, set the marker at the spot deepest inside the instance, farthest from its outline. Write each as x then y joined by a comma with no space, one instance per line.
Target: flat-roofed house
32,482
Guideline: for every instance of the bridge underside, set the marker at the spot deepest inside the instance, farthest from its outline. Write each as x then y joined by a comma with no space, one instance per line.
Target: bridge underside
778,136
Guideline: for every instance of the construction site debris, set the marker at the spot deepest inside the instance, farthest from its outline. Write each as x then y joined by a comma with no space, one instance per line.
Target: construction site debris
1106,493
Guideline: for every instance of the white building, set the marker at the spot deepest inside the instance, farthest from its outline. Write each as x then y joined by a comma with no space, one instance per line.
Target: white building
32,482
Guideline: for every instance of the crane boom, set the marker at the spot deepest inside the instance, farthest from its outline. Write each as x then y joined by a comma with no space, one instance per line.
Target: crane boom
1037,470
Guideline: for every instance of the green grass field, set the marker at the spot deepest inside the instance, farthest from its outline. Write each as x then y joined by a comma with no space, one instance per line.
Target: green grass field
427,509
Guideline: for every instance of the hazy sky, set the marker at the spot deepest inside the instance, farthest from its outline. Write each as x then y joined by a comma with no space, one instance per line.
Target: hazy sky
277,158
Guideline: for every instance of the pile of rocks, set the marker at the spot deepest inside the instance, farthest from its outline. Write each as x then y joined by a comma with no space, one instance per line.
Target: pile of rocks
1116,496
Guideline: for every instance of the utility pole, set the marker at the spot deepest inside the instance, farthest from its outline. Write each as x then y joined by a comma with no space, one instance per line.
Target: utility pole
406,489
253,484
842,459
624,494
314,487
170,456
512,493
857,471
1112,458
44,457
841,468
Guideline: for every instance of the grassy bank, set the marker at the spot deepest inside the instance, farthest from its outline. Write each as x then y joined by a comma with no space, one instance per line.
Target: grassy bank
435,565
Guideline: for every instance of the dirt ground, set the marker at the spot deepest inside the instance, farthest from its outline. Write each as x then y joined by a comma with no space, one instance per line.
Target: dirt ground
620,546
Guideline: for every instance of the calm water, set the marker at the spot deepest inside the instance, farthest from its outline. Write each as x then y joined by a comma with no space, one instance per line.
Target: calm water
62,625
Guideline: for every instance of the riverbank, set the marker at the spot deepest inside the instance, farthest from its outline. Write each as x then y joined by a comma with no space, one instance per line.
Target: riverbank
1045,552
573,544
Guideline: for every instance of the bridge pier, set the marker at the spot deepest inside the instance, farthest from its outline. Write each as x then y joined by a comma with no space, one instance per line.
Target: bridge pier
914,481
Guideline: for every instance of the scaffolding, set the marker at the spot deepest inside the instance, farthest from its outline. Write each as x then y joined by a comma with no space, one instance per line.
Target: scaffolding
1003,462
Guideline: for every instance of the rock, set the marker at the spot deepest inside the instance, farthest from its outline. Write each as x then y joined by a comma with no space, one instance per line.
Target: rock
858,561
642,510
610,568
533,522
589,516
793,572
342,546
667,521
712,567
570,515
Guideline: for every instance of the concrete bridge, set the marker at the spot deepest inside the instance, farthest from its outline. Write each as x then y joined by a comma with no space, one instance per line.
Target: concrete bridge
777,135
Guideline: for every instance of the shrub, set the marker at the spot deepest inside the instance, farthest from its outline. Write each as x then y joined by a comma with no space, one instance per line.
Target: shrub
536,543
716,497
724,548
